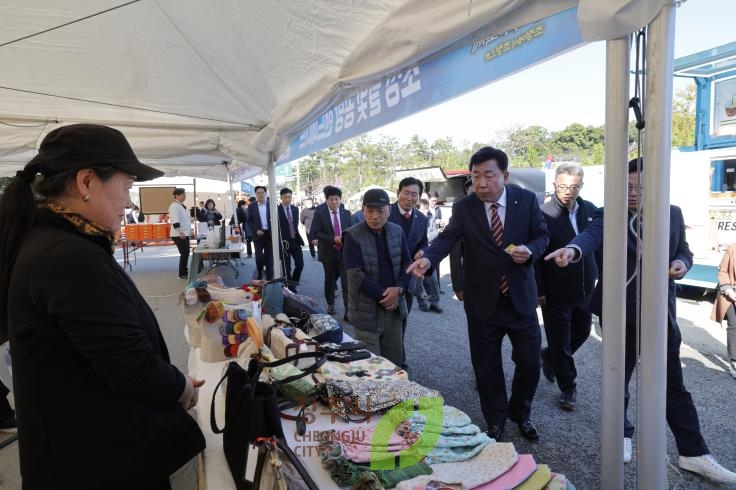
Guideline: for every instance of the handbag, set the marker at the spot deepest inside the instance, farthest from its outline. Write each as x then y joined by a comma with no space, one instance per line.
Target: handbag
323,328
368,397
251,411
272,298
277,467
253,437
300,306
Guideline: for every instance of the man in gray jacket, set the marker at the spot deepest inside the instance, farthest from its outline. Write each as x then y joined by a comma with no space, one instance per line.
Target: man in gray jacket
376,257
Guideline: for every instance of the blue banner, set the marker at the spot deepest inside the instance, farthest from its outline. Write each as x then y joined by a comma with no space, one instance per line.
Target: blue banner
472,62
247,188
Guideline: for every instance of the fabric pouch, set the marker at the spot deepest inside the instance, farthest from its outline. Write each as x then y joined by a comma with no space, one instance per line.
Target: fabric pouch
323,328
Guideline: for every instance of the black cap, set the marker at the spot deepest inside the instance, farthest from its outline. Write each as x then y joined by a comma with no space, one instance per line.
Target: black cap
88,146
375,197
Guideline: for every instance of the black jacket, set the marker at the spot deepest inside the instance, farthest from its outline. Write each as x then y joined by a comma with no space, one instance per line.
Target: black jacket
484,261
323,231
575,282
95,392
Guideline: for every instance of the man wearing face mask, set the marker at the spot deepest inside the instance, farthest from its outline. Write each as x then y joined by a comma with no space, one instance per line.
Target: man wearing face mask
564,293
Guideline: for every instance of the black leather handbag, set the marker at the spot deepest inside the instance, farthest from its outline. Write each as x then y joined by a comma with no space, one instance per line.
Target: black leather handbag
252,416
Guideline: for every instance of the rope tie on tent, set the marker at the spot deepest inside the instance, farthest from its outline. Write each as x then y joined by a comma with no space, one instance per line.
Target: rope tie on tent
635,224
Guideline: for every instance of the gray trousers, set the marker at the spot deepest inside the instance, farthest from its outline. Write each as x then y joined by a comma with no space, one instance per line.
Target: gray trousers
386,341
731,333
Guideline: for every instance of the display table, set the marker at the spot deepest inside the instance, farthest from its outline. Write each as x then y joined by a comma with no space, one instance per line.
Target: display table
216,256
217,474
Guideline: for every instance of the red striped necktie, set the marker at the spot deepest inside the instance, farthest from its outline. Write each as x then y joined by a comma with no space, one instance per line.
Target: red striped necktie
497,231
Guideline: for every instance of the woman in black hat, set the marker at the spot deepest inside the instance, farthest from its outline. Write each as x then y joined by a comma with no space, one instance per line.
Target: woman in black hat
98,403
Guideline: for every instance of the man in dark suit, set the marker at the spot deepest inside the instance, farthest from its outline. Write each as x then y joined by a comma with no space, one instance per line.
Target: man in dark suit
135,216
681,414
259,219
564,294
328,226
291,240
503,233
414,225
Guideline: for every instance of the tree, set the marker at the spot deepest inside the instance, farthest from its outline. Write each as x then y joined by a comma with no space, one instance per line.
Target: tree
683,116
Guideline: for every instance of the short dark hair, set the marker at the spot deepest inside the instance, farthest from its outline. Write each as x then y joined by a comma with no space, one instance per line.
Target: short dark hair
407,181
489,153
252,199
285,190
331,190
434,194
241,202
636,164
179,191
261,187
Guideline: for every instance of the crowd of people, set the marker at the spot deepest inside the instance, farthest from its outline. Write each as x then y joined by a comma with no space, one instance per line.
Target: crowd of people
121,394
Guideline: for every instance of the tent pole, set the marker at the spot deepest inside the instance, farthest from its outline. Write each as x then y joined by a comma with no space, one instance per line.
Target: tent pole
655,264
194,195
614,254
230,196
275,238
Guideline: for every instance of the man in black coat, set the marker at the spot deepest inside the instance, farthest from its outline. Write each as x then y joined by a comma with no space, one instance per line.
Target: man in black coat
564,293
682,417
414,225
328,225
503,232
259,219
291,240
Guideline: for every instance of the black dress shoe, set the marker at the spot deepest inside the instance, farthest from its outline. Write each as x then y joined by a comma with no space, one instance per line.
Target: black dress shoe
495,432
424,308
528,430
568,399
435,308
547,369
331,309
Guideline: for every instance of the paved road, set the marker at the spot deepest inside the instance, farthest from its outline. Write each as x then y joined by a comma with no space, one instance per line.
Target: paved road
438,357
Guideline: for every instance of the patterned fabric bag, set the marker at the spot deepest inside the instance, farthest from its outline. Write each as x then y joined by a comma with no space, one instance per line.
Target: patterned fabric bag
366,397
323,328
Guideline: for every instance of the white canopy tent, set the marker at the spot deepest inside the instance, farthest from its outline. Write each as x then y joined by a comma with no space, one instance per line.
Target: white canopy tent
193,84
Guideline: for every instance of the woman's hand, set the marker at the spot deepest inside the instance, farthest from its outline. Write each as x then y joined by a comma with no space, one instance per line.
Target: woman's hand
190,395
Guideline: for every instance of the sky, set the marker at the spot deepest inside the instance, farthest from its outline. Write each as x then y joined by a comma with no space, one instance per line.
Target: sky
567,89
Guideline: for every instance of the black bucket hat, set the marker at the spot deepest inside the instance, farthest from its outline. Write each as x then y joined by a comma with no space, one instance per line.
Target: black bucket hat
88,146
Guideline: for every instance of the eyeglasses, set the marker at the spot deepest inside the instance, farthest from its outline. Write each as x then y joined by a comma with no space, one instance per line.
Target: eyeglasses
572,188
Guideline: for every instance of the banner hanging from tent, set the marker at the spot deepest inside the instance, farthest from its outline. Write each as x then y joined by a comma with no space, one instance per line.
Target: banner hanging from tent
470,63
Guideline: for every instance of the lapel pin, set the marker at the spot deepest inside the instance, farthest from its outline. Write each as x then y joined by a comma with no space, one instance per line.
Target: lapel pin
590,219
516,202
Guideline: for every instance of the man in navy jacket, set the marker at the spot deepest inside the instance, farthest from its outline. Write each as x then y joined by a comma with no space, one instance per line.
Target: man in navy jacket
564,293
503,232
681,414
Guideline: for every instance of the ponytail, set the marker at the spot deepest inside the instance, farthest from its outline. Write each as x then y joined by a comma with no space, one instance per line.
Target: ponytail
17,217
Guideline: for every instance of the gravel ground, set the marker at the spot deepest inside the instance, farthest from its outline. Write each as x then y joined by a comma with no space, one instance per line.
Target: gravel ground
438,357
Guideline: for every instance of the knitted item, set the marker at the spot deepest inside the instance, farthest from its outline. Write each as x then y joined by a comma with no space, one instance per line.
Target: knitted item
367,481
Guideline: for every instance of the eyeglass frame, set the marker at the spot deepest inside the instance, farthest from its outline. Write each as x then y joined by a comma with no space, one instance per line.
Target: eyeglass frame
571,188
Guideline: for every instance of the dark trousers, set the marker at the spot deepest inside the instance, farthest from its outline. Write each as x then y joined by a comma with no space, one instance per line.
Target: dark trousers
486,338
6,411
264,258
731,333
249,246
681,414
182,244
292,249
409,297
334,270
567,327
311,246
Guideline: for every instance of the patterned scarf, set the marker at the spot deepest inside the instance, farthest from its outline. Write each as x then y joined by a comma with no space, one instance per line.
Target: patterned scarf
80,223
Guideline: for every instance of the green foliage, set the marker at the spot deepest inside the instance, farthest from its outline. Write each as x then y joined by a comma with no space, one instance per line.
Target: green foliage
4,181
360,162
683,116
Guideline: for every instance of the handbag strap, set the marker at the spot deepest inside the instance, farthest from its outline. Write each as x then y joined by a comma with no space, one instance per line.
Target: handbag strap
319,357
308,481
213,423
